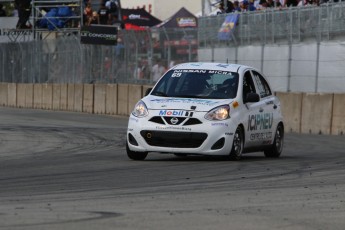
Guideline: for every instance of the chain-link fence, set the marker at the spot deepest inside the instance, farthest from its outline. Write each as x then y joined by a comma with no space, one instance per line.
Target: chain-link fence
279,26
66,60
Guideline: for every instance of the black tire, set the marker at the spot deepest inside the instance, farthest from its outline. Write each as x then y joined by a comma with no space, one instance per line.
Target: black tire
277,147
138,156
237,145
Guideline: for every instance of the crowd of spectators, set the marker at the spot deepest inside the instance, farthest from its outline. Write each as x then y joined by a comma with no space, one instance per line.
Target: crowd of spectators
107,13
253,5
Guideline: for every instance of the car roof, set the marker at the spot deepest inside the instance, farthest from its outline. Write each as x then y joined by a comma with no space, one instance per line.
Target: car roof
210,66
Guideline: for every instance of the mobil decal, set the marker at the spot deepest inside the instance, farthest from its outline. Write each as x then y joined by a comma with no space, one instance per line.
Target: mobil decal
260,121
174,113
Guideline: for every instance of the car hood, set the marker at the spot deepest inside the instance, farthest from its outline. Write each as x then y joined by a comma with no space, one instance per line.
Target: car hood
176,103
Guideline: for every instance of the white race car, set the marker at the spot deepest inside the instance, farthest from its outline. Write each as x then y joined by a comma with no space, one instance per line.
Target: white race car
207,109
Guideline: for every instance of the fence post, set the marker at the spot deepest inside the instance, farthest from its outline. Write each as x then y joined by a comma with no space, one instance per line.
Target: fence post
317,66
289,67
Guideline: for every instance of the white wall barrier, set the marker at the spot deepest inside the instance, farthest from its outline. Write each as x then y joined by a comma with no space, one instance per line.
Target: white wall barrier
314,113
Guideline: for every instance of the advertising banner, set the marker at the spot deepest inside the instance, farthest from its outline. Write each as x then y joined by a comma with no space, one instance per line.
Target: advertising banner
98,35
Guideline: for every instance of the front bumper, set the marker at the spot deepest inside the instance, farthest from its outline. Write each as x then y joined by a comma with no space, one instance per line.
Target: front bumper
207,138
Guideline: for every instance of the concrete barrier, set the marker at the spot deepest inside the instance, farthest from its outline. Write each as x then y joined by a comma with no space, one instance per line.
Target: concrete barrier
70,97
303,112
100,95
37,96
135,93
122,99
78,97
111,99
316,113
29,95
47,96
12,95
88,98
291,106
56,96
3,94
338,115
21,95
25,95
63,96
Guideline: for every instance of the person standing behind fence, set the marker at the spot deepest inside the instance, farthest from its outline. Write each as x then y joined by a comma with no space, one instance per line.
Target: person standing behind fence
24,11
87,14
103,13
289,3
157,71
113,7
2,11
237,7
94,19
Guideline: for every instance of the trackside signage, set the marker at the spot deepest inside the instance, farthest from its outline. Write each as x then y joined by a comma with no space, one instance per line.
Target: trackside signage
98,35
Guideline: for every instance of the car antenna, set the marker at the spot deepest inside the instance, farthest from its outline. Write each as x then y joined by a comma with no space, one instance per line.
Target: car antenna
227,61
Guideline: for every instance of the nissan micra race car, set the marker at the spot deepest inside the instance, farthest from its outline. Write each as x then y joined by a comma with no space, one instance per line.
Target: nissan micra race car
207,109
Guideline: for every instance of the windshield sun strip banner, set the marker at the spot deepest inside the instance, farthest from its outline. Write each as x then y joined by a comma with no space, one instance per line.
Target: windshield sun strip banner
204,71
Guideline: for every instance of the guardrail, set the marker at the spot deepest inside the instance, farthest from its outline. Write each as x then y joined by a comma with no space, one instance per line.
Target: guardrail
303,112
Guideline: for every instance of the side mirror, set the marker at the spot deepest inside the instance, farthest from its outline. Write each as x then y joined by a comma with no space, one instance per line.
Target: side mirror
252,97
148,91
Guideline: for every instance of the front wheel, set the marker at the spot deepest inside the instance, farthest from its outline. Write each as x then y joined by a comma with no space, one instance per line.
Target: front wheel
138,156
277,147
237,145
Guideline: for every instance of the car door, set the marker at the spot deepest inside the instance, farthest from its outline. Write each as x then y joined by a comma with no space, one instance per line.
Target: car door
250,111
262,119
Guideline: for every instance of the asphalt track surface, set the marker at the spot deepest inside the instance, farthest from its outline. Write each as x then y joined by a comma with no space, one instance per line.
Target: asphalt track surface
64,170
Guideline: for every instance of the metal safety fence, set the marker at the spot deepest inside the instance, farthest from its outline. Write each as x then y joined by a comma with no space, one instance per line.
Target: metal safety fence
279,26
65,60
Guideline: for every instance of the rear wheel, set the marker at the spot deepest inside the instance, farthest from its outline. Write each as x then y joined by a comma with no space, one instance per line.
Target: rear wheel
138,156
277,147
237,145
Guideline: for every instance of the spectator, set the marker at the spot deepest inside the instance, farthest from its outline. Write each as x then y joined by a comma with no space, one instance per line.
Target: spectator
87,14
103,14
113,7
145,71
244,5
262,5
157,71
270,3
24,11
229,7
275,3
251,6
221,9
119,49
289,3
237,7
94,19
2,11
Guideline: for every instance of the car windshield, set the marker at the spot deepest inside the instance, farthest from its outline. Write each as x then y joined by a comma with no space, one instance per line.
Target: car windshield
197,83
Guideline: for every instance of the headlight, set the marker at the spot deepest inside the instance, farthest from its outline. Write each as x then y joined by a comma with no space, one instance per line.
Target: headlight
219,113
140,110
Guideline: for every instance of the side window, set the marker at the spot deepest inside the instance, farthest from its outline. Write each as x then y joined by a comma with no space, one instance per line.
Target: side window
248,85
264,89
